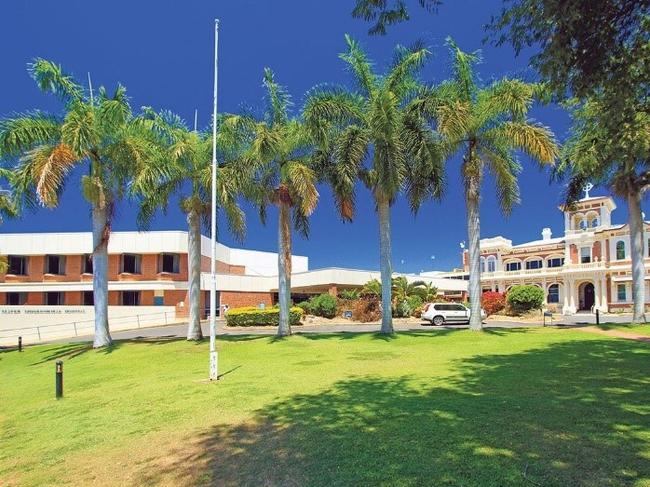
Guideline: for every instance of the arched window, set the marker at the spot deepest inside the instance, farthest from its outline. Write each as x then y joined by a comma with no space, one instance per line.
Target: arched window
584,224
482,264
534,264
595,222
620,250
553,293
491,264
513,266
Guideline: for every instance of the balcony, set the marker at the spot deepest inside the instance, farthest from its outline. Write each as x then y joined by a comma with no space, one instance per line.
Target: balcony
544,271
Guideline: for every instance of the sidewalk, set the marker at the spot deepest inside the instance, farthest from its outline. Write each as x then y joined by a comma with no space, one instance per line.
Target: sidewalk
615,333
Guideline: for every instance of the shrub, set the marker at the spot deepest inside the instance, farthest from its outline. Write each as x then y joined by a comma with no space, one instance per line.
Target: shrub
525,297
349,294
366,309
323,305
252,316
305,306
414,303
493,302
402,309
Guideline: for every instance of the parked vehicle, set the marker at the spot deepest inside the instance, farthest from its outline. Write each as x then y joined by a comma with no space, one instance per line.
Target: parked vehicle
440,313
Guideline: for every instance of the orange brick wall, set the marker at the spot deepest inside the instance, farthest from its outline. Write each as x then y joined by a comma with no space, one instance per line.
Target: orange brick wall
573,252
222,267
239,299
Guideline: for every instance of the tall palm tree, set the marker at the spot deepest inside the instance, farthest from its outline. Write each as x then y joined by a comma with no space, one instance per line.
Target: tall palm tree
281,153
487,126
375,134
189,177
100,133
622,164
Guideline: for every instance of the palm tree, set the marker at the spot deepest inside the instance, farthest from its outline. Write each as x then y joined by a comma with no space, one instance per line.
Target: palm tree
429,292
100,133
402,289
188,176
371,288
376,134
487,125
622,164
281,153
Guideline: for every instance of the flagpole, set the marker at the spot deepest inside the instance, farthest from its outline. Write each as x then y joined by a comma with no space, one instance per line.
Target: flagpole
213,262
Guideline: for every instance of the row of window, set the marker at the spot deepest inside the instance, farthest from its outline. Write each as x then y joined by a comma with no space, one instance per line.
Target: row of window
516,265
56,264
52,298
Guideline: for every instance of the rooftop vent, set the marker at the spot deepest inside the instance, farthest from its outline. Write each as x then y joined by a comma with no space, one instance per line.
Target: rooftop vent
546,234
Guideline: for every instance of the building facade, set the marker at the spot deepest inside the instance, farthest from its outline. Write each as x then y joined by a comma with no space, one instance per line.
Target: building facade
150,269
587,269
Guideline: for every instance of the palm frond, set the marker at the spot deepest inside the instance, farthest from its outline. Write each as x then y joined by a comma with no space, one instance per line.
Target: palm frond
48,167
535,140
278,99
359,65
463,69
302,185
50,78
22,132
505,169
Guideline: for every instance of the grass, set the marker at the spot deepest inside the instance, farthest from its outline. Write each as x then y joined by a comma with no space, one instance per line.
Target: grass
518,407
638,329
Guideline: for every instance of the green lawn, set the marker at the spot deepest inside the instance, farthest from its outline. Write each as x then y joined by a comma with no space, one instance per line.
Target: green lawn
540,407
638,329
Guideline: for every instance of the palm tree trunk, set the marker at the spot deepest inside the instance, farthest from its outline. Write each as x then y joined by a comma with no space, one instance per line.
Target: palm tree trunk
385,266
474,235
194,275
100,276
284,268
636,251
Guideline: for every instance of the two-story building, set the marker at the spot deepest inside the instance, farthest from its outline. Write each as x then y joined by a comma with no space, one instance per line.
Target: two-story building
150,269
587,269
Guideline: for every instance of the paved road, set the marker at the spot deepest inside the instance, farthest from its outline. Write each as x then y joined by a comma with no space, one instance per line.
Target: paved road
180,330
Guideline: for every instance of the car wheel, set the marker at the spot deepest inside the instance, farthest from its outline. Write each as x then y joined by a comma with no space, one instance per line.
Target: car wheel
438,320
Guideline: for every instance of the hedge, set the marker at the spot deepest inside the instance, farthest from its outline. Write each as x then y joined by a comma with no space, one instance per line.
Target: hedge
252,316
525,297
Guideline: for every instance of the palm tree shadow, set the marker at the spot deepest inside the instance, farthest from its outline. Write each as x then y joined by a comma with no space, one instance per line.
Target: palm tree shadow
551,416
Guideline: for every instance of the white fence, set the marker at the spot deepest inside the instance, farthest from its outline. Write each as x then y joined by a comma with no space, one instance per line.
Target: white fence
34,332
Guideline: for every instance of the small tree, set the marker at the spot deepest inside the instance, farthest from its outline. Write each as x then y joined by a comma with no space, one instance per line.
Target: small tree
525,298
493,302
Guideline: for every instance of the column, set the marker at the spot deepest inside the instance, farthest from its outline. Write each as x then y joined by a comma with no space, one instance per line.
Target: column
597,294
604,305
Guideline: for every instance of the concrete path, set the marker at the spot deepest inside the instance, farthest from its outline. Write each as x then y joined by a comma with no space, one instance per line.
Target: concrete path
615,333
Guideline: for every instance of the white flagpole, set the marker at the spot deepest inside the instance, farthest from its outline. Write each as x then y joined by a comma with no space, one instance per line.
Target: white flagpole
213,262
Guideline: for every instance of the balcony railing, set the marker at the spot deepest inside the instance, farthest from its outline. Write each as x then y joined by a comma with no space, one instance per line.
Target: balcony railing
543,271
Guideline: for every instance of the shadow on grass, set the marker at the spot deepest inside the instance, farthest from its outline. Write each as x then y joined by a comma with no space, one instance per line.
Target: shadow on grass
573,413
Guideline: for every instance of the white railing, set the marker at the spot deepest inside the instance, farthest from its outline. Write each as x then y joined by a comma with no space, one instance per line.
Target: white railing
40,333
543,271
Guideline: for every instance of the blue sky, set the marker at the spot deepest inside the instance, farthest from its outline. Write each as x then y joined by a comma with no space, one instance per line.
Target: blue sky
162,52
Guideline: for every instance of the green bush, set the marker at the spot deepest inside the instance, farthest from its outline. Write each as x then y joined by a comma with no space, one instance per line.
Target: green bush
402,310
252,316
414,303
525,297
323,305
305,306
349,294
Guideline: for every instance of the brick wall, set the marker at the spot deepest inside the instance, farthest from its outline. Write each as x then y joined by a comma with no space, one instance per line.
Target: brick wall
573,252
222,267
596,251
239,299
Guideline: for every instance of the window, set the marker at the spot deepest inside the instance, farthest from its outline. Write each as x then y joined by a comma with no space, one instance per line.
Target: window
554,293
55,264
53,298
595,222
16,299
491,264
17,265
131,298
584,224
87,298
534,264
585,255
131,263
621,294
513,266
169,263
620,250
555,262
87,264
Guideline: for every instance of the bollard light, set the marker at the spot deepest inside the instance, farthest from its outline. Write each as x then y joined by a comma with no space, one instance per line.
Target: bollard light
20,344
59,379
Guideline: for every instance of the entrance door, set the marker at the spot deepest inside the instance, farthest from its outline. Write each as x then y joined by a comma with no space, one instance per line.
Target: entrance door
589,296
